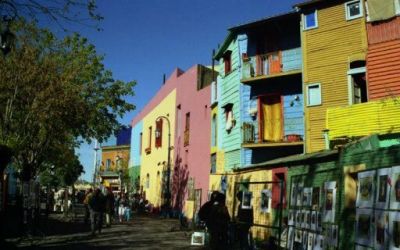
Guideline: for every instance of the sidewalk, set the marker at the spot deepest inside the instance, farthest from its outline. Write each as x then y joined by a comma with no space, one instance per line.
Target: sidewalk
143,232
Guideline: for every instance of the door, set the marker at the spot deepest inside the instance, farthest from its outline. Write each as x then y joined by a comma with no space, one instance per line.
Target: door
275,62
271,118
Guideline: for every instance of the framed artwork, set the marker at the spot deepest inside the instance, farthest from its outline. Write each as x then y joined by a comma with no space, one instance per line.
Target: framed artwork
313,225
299,195
334,235
298,235
246,199
318,242
330,202
304,240
383,188
364,234
365,189
304,219
395,190
394,230
299,218
290,238
310,241
266,196
381,229
307,221
315,198
319,221
291,217
307,196
198,238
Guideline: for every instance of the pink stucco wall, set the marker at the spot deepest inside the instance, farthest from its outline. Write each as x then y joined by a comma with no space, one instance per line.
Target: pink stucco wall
170,84
192,160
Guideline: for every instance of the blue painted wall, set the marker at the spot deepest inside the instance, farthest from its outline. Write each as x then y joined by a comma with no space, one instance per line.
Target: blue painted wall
124,136
135,145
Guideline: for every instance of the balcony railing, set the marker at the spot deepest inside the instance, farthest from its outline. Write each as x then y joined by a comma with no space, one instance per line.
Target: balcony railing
251,136
272,64
381,117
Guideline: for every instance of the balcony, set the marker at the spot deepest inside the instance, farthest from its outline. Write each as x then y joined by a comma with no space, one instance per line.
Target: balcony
271,65
252,138
380,117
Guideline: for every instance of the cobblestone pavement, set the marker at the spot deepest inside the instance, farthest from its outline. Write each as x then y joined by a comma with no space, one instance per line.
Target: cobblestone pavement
143,232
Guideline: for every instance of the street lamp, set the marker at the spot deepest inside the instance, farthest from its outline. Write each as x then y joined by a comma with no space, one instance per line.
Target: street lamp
167,193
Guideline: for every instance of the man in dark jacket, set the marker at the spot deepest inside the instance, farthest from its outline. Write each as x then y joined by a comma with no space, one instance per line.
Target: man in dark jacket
110,200
97,207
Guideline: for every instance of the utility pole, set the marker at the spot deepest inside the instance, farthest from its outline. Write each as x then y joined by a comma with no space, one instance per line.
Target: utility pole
96,148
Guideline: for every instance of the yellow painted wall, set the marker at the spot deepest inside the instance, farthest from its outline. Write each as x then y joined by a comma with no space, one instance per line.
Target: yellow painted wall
152,163
327,51
363,119
112,153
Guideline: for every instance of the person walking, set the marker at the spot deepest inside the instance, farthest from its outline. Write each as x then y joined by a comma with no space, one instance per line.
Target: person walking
97,207
88,196
109,209
121,208
244,221
218,223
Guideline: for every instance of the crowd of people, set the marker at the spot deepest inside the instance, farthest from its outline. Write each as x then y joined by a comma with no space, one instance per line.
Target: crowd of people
118,208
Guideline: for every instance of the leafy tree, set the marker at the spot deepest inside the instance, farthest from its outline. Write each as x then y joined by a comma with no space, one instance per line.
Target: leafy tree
53,91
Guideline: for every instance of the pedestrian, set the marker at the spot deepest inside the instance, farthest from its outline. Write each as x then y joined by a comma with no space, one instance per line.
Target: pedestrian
97,207
127,211
110,200
218,223
88,195
204,212
244,221
121,208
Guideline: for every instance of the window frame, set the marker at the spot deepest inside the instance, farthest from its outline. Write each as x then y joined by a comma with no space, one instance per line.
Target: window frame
308,87
159,128
305,20
350,83
227,62
346,5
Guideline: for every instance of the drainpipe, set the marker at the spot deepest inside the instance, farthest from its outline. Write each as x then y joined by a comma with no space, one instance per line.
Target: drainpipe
326,138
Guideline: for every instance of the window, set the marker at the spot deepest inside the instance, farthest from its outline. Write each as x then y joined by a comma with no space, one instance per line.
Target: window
147,181
314,94
108,164
178,120
187,129
228,62
310,20
140,143
148,149
213,169
214,131
158,133
353,9
229,119
357,85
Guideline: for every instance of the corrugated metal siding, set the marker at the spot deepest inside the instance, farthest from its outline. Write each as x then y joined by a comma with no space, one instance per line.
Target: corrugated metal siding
383,118
293,115
291,59
232,160
383,31
383,69
247,155
326,52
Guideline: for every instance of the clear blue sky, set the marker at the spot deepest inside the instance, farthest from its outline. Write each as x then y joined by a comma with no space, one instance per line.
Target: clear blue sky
144,39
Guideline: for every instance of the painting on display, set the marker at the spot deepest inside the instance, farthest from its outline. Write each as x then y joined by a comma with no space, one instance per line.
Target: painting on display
382,227
299,218
290,238
394,230
318,242
296,194
310,241
246,200
266,200
298,236
330,201
304,240
334,235
304,219
299,195
365,189
291,217
383,188
395,190
319,221
315,198
364,227
307,196
313,225
307,219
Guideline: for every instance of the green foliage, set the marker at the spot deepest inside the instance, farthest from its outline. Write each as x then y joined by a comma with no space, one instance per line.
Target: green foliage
53,91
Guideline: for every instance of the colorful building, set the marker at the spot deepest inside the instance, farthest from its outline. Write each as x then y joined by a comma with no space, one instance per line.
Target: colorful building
334,45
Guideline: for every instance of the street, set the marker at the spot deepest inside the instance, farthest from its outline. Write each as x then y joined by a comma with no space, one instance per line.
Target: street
143,232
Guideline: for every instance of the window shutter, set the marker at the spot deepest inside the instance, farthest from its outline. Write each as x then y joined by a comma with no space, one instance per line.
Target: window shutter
159,131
